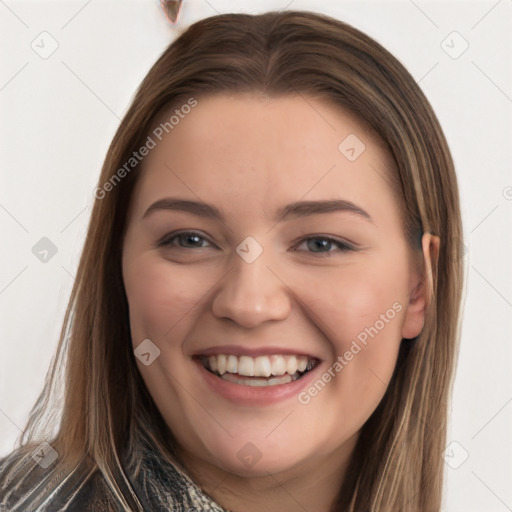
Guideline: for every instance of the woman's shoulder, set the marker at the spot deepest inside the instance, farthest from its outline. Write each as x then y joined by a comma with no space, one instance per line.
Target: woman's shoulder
30,481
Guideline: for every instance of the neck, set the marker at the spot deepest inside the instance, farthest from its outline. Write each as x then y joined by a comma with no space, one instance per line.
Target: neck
312,485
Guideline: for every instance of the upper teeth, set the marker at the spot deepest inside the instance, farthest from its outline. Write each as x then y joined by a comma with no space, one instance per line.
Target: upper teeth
261,366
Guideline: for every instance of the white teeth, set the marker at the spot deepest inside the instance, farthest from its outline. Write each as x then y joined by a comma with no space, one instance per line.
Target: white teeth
262,366
221,363
302,363
279,365
232,366
284,379
279,380
212,360
291,364
246,366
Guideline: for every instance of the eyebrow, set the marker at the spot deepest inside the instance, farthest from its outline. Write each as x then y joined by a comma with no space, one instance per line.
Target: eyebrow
292,210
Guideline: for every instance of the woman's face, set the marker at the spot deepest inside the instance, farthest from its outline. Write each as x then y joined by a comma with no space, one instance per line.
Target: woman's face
264,237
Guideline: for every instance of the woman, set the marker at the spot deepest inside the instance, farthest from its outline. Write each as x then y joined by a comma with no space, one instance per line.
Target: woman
265,315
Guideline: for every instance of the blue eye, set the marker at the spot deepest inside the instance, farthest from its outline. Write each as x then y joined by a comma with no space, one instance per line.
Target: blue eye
325,245
185,239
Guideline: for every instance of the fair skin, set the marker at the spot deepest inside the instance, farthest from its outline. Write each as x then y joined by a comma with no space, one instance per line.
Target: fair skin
248,157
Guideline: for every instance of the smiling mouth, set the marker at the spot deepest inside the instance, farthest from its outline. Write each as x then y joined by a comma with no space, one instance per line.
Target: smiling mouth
269,370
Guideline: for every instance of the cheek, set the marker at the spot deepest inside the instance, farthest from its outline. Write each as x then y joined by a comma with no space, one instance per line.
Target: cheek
351,302
161,295
163,299
361,312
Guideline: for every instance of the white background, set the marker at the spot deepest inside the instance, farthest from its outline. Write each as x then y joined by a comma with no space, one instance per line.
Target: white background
59,114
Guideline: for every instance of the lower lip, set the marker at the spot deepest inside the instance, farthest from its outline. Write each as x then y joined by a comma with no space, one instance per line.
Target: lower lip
255,395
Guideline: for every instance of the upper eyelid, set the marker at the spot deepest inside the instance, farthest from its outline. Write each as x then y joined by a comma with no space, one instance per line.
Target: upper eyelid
323,237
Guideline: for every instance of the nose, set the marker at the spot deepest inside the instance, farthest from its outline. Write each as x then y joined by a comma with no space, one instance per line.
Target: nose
251,294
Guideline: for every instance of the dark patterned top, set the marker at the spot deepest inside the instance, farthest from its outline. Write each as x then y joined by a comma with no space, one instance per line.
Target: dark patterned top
160,486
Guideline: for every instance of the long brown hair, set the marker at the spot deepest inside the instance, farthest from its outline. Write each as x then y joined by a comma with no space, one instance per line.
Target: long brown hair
106,408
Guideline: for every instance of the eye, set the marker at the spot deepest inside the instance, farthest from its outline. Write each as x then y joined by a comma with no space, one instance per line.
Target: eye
314,244
324,245
184,240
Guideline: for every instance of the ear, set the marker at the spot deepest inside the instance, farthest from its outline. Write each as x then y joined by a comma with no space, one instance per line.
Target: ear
421,287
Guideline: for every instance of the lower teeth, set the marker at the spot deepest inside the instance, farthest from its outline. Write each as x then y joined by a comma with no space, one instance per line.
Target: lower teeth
256,381
260,381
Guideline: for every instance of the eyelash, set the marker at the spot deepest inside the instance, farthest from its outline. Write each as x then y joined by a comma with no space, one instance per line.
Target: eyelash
343,247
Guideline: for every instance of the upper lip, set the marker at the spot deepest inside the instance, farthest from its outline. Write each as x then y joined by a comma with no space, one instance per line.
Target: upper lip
239,350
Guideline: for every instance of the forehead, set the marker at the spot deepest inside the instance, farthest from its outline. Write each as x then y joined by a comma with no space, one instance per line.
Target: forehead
265,149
